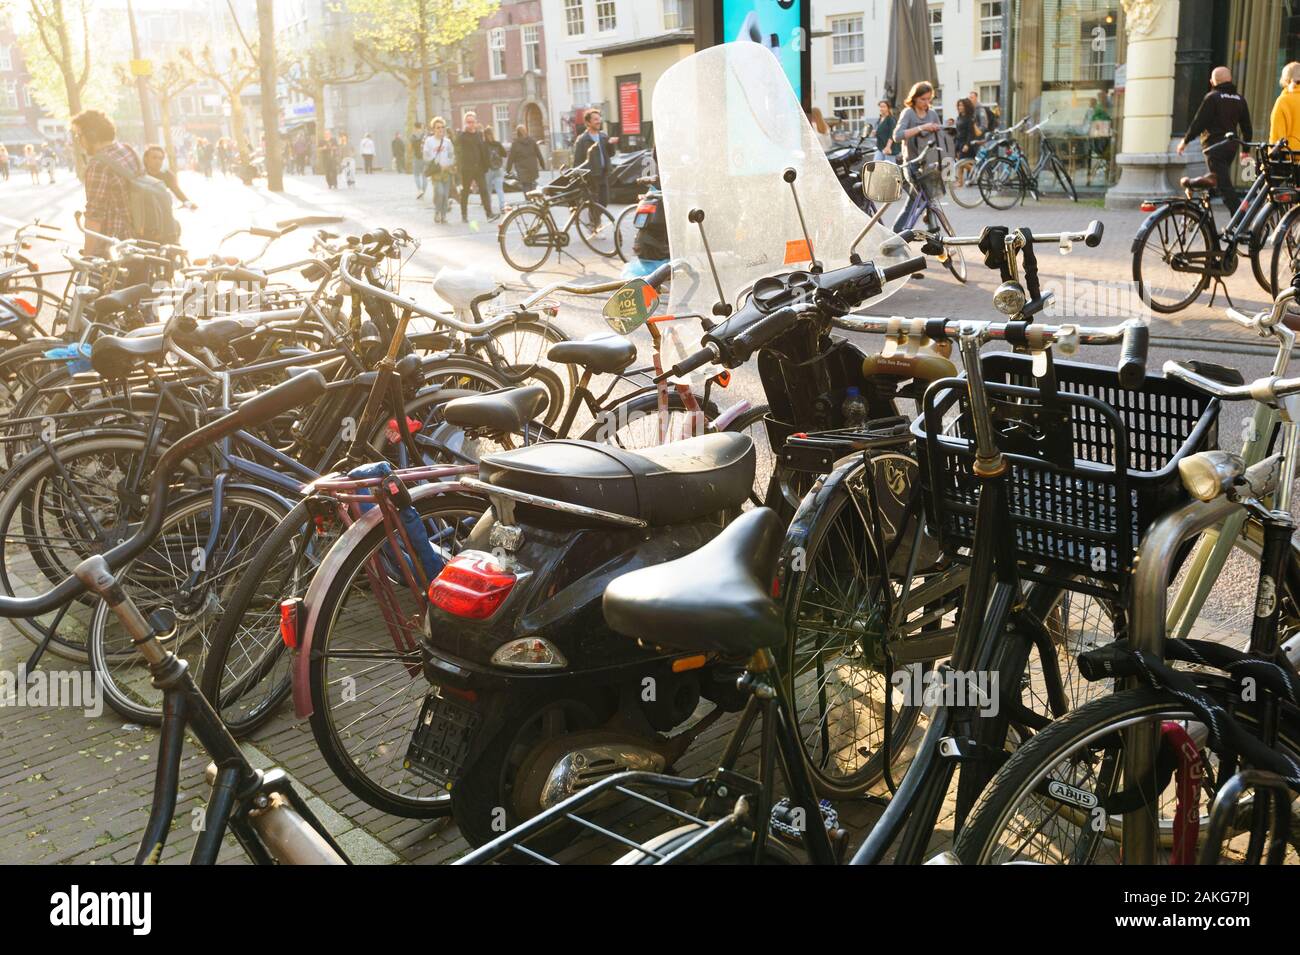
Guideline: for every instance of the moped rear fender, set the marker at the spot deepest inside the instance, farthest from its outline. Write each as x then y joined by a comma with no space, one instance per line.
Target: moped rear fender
320,581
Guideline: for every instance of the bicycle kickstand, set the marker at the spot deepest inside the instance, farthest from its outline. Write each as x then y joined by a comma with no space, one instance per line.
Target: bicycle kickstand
1214,290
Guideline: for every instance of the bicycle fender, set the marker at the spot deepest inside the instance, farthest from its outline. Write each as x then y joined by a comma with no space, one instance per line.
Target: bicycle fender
794,549
325,573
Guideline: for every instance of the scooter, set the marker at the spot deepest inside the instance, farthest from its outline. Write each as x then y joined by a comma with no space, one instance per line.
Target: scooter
650,247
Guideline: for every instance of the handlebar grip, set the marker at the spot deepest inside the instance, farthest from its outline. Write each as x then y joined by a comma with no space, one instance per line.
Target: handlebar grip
762,332
237,274
1133,355
659,276
687,365
1092,238
901,269
265,233
298,390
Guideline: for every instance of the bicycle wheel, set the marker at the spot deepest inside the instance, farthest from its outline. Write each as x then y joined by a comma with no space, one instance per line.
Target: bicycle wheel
1000,183
847,692
1284,260
526,238
1054,801
766,463
523,345
248,670
595,227
1063,177
61,505
365,679
964,184
955,260
1169,259
625,233
639,423
181,574
1258,246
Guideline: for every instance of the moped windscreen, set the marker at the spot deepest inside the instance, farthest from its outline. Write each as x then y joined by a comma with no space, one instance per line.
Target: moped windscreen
729,126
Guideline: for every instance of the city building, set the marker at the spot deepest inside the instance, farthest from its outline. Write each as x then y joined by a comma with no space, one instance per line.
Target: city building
849,49
22,121
501,74
610,54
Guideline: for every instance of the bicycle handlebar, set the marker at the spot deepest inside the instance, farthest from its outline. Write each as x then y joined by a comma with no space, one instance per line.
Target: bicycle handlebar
298,390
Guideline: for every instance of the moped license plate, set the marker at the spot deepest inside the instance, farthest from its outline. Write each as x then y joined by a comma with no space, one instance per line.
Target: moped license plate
440,742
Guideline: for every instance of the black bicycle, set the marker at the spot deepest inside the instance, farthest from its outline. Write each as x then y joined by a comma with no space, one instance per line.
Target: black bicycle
1179,250
528,234
1005,180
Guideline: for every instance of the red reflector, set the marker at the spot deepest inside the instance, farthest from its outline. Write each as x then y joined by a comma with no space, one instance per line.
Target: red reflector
471,586
26,306
1148,207
289,622
645,209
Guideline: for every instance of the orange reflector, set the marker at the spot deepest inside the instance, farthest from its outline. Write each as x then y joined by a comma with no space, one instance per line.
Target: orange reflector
289,622
201,260
797,250
682,664
1148,207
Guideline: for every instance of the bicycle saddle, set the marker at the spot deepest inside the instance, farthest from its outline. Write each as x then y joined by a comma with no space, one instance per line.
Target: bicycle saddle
117,302
1208,181
501,411
460,287
598,353
717,598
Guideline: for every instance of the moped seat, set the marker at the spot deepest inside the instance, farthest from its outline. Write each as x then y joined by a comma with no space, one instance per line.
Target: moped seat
670,484
501,411
598,353
717,598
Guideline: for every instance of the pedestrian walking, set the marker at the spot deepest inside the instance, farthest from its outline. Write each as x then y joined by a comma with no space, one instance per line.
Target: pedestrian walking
205,150
439,160
496,172
4,162
416,142
32,163
592,150
368,153
398,146
1284,121
47,161
822,130
154,157
918,128
984,117
967,131
525,160
472,161
1222,111
328,161
107,209
886,146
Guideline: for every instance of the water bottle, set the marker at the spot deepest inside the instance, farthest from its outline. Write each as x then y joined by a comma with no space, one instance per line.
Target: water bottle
854,409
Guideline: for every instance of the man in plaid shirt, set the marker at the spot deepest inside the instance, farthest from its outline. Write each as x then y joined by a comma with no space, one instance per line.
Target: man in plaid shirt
106,200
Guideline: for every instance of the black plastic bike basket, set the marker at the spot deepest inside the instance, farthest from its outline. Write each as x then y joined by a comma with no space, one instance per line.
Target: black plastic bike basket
1072,510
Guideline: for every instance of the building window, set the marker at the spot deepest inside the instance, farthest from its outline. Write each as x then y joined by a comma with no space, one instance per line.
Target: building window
465,68
501,122
6,58
990,94
936,30
579,83
679,14
9,94
533,48
846,41
606,16
573,24
990,25
497,52
851,110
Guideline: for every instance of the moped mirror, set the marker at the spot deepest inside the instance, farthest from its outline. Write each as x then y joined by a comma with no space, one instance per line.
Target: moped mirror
631,306
882,181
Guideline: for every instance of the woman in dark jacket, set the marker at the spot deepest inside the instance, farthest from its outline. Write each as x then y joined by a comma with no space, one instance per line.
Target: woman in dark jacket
967,131
885,131
525,160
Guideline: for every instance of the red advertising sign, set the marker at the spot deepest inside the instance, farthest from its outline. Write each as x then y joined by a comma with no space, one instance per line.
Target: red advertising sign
629,108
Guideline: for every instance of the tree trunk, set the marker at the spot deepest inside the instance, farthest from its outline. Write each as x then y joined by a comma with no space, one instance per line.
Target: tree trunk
318,107
165,117
237,125
426,81
270,110
70,88
412,102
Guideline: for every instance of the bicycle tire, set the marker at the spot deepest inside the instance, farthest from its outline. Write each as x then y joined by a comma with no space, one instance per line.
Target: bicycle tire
1063,177
1001,183
368,782
966,195
1161,227
955,260
625,233
601,239
151,580
525,225
644,407
1284,261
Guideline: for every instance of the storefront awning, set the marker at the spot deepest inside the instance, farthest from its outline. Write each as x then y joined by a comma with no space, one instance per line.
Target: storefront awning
671,38
20,136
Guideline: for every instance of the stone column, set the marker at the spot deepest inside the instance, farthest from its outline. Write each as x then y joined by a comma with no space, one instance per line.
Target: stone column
1148,166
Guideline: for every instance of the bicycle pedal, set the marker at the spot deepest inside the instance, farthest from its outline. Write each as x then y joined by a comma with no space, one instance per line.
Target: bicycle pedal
787,821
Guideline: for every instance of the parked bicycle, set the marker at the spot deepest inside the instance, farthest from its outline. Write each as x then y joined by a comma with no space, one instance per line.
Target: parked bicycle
1005,180
529,233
